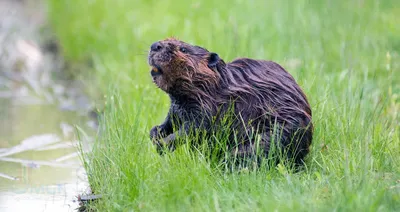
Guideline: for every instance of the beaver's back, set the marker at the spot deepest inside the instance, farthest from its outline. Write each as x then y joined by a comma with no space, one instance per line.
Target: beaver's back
266,86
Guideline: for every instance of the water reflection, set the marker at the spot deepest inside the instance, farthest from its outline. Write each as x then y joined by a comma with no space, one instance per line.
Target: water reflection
38,157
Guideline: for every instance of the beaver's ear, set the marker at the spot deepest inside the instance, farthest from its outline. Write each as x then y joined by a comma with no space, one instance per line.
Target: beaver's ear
213,59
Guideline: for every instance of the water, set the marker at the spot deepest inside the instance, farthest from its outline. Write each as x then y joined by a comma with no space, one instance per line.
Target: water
40,169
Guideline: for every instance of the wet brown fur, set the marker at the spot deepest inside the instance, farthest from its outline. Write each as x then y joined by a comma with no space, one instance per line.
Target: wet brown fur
202,86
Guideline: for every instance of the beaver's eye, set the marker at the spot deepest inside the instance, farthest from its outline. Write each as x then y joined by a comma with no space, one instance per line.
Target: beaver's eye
182,49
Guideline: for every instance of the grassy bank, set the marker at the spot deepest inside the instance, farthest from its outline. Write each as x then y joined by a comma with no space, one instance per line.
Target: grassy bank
344,54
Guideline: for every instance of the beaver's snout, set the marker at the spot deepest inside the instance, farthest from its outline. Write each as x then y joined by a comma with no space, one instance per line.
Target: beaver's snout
159,57
155,47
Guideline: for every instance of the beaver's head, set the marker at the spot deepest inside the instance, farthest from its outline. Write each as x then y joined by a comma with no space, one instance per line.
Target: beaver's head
177,65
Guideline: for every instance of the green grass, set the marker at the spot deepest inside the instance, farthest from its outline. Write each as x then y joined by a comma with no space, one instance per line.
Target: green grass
344,54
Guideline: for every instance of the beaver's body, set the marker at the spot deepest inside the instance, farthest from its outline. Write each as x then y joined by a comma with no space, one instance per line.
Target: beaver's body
202,87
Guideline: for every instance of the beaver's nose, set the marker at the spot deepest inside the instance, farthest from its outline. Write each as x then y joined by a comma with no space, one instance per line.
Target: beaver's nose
156,46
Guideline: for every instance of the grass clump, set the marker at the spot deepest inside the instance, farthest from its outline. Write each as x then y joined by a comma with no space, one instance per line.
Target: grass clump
344,54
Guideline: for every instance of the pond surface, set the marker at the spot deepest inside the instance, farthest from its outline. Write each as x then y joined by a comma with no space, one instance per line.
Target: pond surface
40,167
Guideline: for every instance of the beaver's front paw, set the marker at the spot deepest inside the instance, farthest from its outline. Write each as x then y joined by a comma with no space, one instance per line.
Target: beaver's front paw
156,133
166,143
160,145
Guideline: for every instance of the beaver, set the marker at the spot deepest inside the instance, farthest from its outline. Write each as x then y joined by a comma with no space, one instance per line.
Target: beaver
261,94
